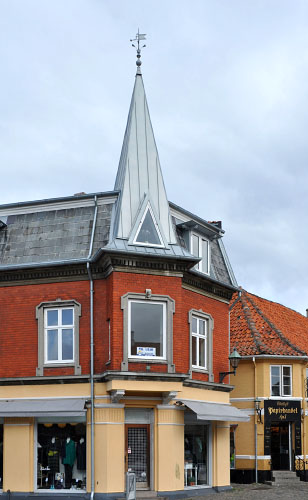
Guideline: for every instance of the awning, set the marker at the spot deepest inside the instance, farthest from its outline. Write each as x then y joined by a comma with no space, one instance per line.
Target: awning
70,407
216,411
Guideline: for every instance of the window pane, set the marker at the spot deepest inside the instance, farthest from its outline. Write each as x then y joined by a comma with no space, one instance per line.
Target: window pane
148,232
275,372
194,325
67,344
201,327
205,254
67,316
52,317
52,345
202,353
195,245
286,380
194,351
147,329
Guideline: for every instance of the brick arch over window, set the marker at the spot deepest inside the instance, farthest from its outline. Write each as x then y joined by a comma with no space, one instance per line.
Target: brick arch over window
41,311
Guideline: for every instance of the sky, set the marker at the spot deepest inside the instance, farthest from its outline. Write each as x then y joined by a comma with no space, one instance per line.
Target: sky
226,83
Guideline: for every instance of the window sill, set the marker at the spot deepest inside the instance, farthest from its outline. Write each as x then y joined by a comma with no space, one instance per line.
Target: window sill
147,360
200,370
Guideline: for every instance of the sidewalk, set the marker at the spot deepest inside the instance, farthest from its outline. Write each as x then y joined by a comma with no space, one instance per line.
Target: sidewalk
260,491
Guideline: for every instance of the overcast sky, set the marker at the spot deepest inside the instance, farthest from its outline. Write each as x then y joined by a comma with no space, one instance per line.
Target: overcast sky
226,82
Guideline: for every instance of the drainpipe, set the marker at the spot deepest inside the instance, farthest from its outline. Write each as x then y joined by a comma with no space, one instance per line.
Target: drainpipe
256,425
92,348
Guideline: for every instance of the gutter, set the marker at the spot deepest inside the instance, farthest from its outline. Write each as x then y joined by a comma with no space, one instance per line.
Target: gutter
92,346
275,356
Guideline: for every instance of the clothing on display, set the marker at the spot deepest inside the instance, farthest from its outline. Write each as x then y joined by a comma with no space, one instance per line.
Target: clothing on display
81,454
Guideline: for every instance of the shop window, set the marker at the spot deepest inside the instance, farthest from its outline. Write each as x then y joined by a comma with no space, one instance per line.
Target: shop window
147,327
201,332
200,247
196,470
58,335
281,380
61,456
232,446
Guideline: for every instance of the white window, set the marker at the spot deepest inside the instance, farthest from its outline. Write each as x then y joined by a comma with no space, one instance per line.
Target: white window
199,333
146,329
59,335
201,342
200,248
281,380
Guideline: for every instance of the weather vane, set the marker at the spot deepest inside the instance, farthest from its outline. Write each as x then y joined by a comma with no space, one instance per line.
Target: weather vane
139,37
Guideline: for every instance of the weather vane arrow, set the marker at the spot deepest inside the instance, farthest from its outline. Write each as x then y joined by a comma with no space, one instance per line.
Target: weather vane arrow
138,39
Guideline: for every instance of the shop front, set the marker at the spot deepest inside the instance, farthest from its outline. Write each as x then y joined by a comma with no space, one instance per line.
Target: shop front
282,432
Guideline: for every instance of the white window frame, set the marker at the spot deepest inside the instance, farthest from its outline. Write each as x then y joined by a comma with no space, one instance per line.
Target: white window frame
132,356
198,266
198,313
141,243
60,327
281,387
198,336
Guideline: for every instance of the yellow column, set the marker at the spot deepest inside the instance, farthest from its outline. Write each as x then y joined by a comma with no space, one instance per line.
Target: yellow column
18,450
221,454
170,450
108,450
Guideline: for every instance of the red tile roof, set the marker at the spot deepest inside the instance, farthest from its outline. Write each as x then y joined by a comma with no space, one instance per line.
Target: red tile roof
259,326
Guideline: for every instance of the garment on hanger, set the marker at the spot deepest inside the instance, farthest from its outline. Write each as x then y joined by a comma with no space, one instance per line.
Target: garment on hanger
70,453
53,456
81,452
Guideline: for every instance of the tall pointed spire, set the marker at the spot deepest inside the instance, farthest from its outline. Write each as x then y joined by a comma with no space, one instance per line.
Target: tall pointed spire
139,177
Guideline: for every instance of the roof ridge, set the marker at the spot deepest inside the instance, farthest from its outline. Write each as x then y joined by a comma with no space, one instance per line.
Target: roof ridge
276,330
252,327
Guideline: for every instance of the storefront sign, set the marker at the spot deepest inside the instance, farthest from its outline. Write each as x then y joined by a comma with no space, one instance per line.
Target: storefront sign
282,411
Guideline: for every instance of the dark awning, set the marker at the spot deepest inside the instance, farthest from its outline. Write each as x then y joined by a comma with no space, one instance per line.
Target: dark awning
216,411
71,407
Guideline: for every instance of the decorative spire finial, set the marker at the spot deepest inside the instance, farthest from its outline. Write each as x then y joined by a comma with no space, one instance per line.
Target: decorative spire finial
139,37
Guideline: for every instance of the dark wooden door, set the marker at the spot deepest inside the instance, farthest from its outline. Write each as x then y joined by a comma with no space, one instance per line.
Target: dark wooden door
280,446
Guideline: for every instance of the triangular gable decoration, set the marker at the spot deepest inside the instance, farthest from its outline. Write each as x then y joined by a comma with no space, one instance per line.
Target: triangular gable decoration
148,231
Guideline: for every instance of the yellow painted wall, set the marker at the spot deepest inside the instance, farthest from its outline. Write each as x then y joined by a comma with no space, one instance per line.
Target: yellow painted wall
18,449
170,450
221,454
108,450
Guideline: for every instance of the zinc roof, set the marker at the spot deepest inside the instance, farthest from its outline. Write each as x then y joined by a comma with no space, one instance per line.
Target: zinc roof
261,327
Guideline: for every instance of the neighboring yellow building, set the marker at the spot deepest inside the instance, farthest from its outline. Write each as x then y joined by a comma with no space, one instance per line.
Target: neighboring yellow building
271,385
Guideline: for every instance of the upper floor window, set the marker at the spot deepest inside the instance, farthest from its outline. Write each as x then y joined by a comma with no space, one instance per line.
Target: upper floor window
200,248
281,380
199,327
201,341
58,335
147,329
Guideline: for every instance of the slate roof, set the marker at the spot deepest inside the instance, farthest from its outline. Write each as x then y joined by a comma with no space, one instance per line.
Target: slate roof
53,235
261,327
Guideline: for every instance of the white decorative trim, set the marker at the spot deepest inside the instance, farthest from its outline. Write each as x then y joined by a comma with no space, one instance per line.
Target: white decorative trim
36,398
107,423
57,205
18,425
108,405
252,457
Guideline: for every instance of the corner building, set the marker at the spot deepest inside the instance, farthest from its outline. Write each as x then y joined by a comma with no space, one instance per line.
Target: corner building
114,327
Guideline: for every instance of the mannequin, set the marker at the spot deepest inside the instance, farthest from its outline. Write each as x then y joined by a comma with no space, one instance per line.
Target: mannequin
68,461
81,454
53,460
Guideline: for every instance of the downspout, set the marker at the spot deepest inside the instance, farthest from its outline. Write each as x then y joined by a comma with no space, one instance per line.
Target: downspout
92,347
256,425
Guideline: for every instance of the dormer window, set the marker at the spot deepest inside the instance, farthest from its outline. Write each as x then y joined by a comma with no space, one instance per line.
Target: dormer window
148,232
200,248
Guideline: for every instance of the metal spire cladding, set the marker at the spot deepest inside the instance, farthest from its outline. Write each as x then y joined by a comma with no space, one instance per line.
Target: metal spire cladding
139,178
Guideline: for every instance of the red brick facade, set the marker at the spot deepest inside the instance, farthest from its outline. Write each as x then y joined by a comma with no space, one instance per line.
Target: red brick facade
19,328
